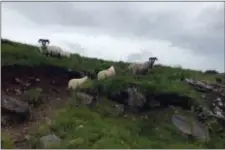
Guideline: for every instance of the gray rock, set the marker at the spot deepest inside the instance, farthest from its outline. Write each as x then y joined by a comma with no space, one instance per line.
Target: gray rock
15,107
135,99
118,109
153,103
86,99
48,140
191,127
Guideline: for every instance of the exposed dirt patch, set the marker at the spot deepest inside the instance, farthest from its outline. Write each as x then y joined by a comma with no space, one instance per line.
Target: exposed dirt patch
53,82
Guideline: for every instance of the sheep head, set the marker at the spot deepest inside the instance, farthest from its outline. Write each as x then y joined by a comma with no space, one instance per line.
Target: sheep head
43,42
152,60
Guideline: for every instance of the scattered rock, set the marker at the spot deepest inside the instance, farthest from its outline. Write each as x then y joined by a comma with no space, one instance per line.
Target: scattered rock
215,94
49,140
27,137
201,86
18,91
18,80
37,80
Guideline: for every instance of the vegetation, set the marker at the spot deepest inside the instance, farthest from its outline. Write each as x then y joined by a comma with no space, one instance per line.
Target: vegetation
98,127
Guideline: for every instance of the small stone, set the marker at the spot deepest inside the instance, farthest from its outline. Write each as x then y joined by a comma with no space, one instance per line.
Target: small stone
58,99
37,80
27,137
145,117
80,126
18,92
17,80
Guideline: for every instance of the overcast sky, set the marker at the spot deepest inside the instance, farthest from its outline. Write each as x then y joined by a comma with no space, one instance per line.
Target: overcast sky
178,33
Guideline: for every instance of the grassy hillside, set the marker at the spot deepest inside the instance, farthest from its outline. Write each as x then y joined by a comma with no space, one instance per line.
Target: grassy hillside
99,127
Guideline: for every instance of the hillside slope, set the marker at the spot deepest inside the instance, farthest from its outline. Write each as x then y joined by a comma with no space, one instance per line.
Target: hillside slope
99,126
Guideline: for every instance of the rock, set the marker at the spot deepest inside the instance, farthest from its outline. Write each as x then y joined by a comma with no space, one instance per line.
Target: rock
80,126
4,120
37,80
191,127
48,140
18,91
27,137
86,99
135,99
118,109
15,107
153,103
201,86
18,80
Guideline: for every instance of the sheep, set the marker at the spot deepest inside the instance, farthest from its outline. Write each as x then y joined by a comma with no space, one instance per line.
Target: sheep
76,82
43,48
51,49
142,68
54,51
106,73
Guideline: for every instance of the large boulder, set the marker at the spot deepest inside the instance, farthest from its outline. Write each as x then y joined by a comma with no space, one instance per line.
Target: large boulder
15,108
130,97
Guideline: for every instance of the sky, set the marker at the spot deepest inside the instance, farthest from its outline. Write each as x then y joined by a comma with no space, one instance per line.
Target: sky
187,34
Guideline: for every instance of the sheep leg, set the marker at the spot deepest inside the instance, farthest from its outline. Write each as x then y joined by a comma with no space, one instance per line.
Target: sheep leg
58,55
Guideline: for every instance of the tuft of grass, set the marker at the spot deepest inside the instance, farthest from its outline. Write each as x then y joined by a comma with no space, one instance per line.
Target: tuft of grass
6,141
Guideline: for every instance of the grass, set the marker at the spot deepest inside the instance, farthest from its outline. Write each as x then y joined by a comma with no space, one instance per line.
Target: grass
99,127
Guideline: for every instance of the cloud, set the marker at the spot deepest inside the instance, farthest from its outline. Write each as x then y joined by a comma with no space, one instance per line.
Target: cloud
175,32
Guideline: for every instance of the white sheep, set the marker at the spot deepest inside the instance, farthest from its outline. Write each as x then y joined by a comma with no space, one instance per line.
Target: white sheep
142,68
76,82
106,73
51,50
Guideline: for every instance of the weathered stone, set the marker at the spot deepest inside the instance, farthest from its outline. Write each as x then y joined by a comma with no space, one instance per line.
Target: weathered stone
135,99
118,109
191,127
49,140
86,99
15,107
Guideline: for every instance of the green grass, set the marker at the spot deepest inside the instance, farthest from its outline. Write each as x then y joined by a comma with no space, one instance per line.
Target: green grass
83,127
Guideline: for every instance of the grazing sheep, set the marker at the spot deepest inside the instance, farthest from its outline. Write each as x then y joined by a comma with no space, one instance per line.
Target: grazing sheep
142,68
51,50
76,82
106,73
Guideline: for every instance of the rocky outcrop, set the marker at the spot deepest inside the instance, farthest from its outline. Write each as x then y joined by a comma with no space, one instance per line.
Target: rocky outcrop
215,94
